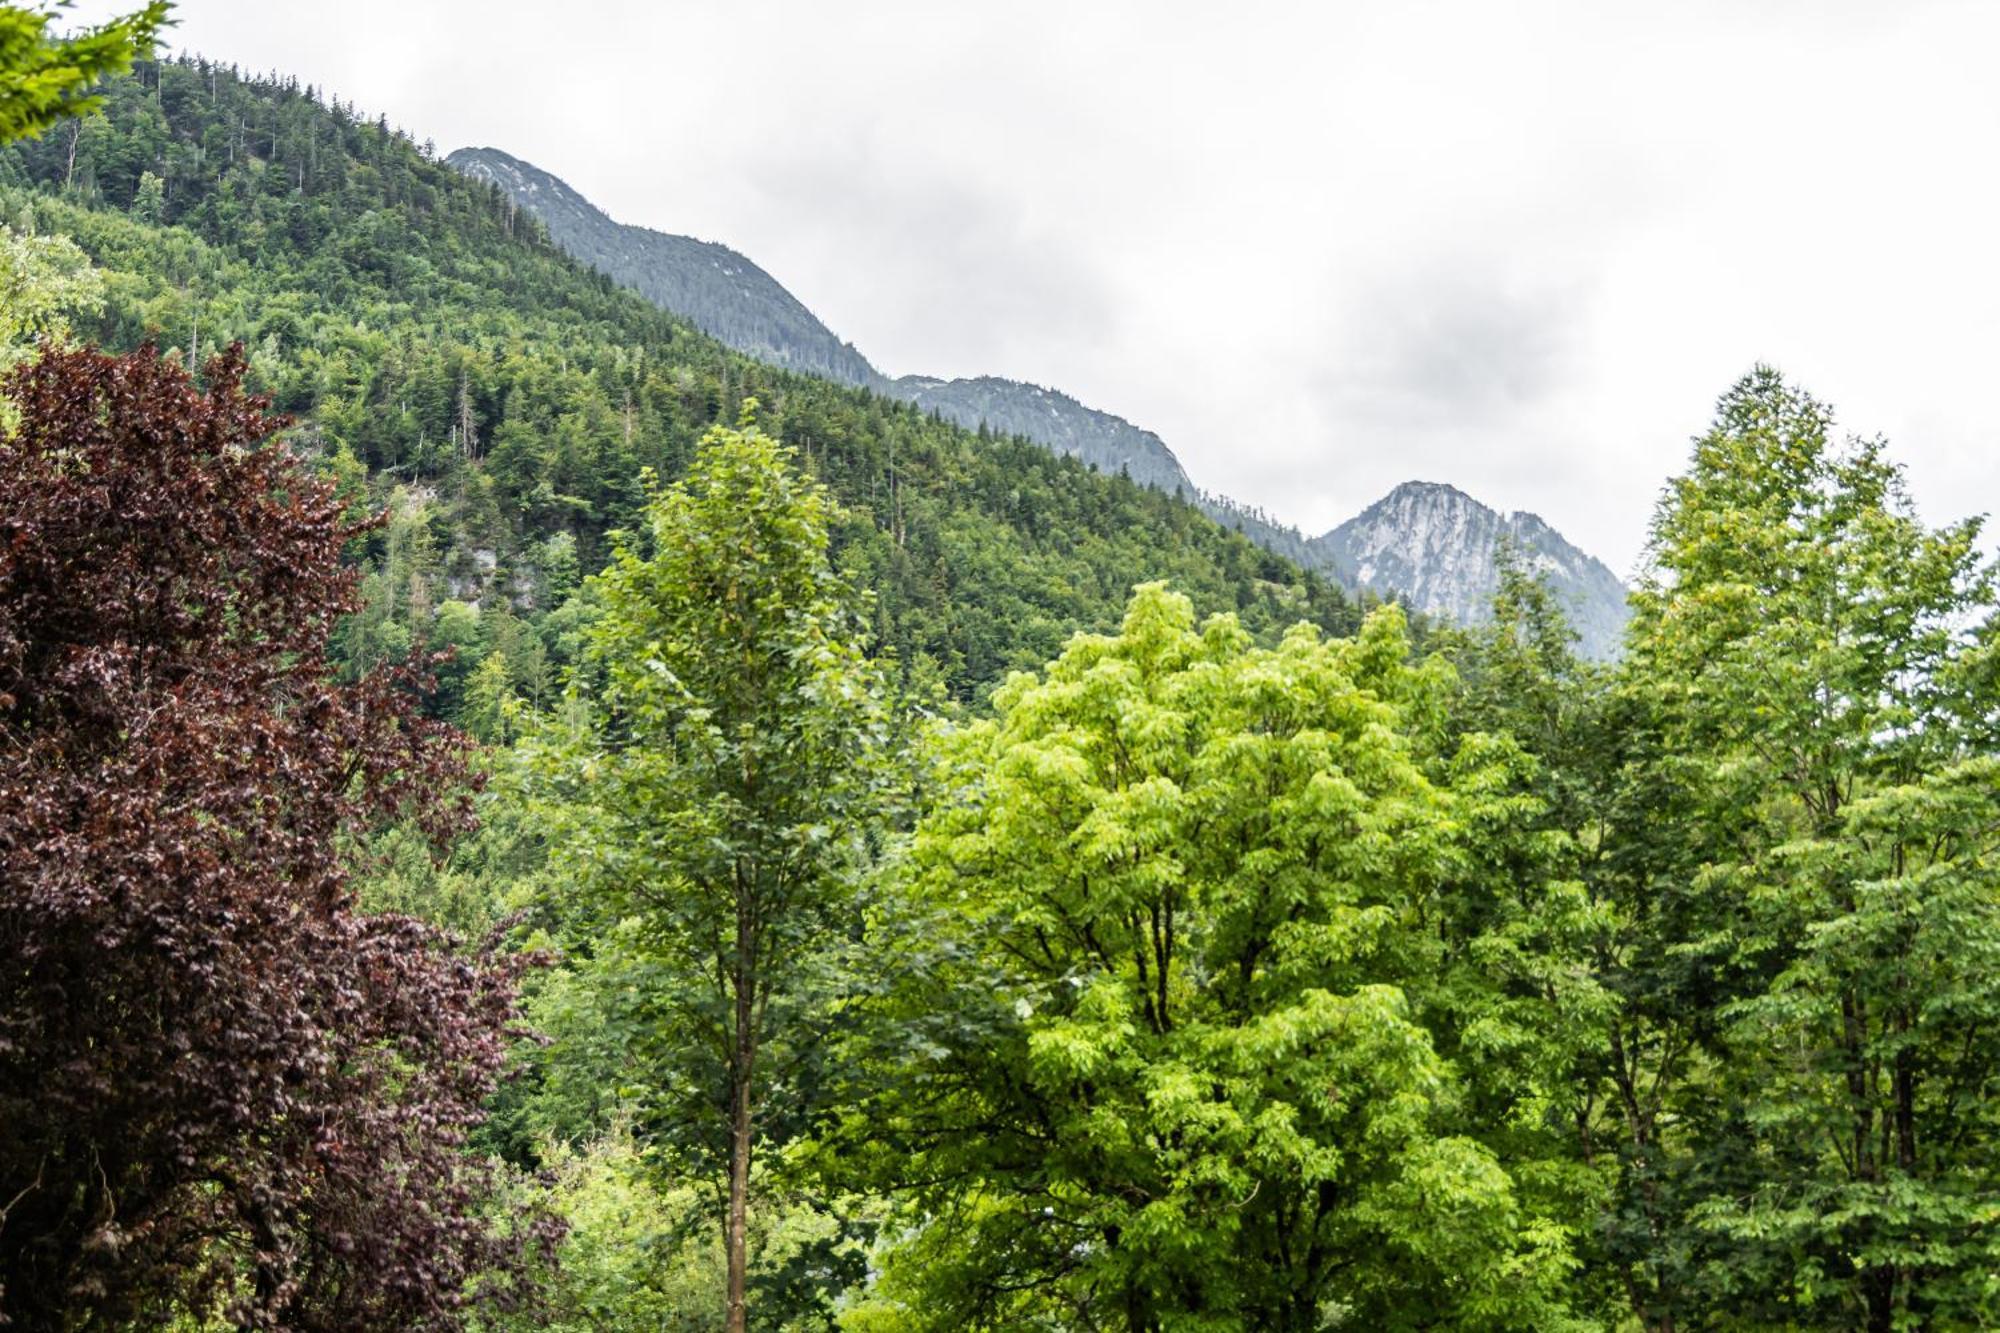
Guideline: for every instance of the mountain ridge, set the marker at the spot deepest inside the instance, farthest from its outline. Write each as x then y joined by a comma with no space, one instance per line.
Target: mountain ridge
1442,550
720,291
728,296
1427,543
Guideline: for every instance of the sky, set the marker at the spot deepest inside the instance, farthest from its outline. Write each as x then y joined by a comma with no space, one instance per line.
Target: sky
1320,248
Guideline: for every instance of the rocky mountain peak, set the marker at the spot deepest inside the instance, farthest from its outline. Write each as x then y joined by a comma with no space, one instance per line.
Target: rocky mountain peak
1425,542
1438,549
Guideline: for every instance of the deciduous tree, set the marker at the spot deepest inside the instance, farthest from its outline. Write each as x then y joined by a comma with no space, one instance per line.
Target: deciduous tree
720,785
44,78
223,1090
1825,682
1177,1051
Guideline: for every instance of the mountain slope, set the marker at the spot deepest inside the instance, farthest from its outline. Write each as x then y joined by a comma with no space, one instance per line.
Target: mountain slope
1432,547
446,361
713,287
724,294
1440,549
1009,407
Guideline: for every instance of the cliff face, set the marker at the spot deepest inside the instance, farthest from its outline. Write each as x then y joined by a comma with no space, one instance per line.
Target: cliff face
1439,550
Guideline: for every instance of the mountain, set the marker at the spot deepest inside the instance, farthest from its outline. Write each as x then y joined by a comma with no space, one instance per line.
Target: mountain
454,367
725,294
1429,545
1439,549
1009,407
711,286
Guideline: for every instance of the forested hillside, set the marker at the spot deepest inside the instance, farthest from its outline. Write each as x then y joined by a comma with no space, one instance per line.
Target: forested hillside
576,830
444,358
1439,555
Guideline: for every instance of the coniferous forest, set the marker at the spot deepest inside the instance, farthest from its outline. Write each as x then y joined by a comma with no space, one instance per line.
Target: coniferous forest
514,816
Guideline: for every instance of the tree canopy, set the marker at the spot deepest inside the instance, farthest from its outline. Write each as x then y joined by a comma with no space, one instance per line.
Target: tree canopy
224,1089
1820,663
723,776
45,77
1183,1055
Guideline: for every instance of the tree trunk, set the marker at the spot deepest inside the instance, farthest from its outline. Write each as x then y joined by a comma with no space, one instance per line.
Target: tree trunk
736,1228
1879,1286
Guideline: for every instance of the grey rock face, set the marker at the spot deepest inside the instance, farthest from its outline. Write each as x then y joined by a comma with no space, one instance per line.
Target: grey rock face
1057,420
1438,549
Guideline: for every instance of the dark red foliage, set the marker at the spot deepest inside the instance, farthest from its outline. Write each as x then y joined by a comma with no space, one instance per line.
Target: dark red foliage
221,1086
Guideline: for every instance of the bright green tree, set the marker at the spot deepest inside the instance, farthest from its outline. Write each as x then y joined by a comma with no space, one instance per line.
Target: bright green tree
1177,1037
1828,694
150,204
488,696
44,280
44,78
718,789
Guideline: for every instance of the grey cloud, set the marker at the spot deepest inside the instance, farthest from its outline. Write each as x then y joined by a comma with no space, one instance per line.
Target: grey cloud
927,269
1451,346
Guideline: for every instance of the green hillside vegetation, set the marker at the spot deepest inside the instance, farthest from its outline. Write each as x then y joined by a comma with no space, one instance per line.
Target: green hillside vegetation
850,873
444,359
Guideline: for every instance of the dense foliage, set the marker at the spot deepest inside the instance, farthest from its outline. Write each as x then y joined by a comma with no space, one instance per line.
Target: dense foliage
1241,963
1822,685
223,1089
44,77
722,780
43,281
1193,1051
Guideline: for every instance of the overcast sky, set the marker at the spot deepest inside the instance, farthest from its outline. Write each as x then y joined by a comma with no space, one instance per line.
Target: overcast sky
1320,248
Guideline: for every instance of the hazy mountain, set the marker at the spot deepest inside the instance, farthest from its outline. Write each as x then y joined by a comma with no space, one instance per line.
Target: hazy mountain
1438,549
716,289
1430,545
1055,419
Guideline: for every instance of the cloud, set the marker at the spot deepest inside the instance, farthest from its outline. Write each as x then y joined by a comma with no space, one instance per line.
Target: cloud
928,268
1452,345
1319,248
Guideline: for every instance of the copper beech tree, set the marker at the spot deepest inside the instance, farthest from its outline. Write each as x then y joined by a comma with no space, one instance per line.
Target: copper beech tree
224,1092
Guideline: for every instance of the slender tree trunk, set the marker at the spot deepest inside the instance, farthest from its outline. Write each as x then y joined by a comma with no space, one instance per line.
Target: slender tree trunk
1905,1082
736,1229
1880,1286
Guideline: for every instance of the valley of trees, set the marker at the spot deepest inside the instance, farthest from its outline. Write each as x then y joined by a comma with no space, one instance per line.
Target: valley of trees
515,817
